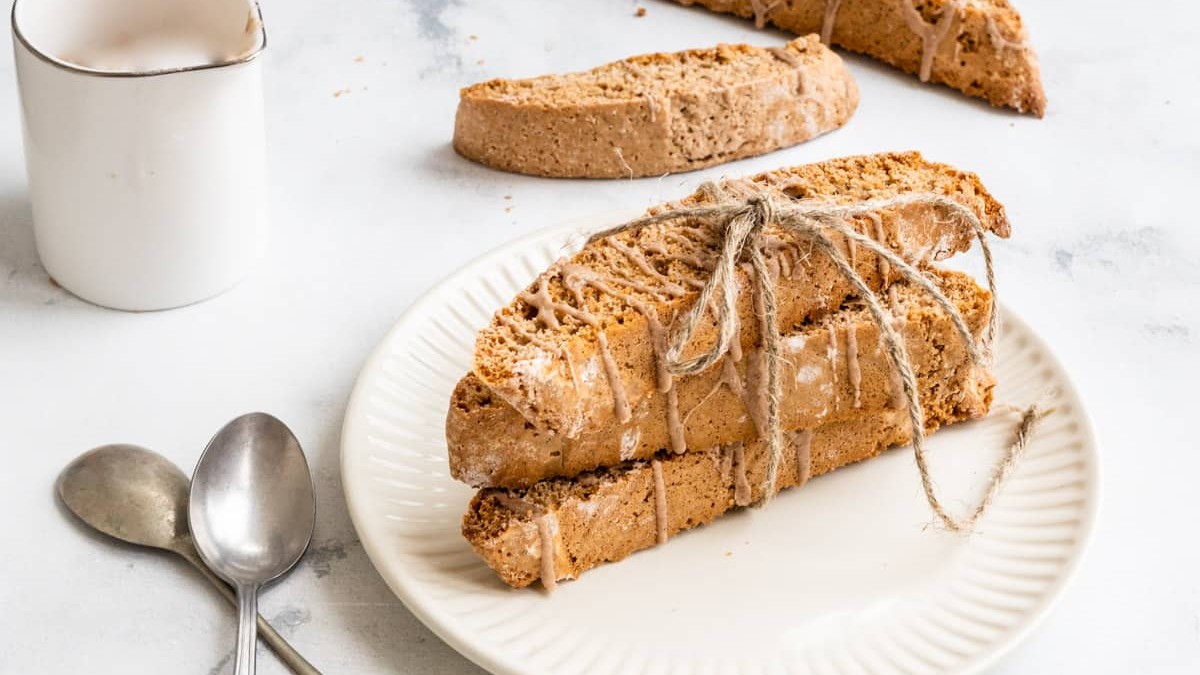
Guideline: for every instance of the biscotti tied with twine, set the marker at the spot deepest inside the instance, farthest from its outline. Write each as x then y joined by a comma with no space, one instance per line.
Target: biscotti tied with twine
834,369
663,326
560,528
657,113
979,47
581,350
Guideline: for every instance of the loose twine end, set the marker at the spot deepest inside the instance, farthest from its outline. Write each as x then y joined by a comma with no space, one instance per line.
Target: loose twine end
741,223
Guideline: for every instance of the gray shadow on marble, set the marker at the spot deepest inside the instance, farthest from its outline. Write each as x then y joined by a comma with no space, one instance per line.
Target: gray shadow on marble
378,624
444,164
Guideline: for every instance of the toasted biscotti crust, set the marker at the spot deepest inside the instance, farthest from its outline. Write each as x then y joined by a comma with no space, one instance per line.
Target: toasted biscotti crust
606,515
984,52
580,349
833,369
657,113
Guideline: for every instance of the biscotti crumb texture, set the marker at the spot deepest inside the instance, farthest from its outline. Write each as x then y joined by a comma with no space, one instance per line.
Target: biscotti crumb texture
980,47
833,368
657,113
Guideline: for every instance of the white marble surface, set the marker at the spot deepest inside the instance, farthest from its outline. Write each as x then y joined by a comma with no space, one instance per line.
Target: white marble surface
371,207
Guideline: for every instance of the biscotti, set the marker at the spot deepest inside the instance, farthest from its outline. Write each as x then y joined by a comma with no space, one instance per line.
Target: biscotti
580,348
657,113
833,368
979,47
560,528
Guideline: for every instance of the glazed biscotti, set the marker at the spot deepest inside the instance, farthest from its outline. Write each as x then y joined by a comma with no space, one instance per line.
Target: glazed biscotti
581,348
979,47
560,528
657,113
834,368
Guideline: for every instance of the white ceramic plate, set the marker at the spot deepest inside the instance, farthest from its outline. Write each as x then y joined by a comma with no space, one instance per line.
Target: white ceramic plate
846,575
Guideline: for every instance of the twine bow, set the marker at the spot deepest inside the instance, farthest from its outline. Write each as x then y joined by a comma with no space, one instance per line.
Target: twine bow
742,225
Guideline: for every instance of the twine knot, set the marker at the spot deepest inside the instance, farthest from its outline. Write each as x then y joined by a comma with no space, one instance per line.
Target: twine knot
742,224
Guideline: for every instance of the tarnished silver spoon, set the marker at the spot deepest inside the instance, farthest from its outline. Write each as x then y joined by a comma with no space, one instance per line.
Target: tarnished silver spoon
252,511
140,497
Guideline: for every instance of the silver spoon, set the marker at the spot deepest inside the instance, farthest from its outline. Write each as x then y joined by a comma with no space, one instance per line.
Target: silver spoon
140,497
252,511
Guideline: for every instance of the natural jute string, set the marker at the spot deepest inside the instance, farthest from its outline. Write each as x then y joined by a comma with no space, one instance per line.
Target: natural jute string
741,224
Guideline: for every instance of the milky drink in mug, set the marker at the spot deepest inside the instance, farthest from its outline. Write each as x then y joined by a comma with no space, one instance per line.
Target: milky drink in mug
143,126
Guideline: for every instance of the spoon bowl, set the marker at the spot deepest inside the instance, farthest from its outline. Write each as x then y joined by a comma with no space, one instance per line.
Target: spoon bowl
252,510
129,493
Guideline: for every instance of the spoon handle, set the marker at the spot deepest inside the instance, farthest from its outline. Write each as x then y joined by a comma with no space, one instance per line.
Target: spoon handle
247,638
282,648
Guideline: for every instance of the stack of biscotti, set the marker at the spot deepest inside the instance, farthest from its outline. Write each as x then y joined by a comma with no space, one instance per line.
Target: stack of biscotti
587,449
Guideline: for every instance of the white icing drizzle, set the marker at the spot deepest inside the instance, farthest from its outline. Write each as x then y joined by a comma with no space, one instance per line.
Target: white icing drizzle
620,401
523,333
547,308
784,54
665,382
517,505
802,440
566,356
547,529
787,254
931,35
761,9
1000,42
877,233
754,393
669,288
660,502
830,16
741,485
689,259
885,270
688,235
853,371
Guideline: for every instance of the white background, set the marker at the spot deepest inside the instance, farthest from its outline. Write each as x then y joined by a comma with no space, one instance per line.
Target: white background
371,207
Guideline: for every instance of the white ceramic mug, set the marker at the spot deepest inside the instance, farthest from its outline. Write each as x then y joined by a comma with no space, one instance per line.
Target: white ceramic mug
144,144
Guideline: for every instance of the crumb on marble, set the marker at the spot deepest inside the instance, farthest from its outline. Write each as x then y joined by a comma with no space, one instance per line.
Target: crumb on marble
639,12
